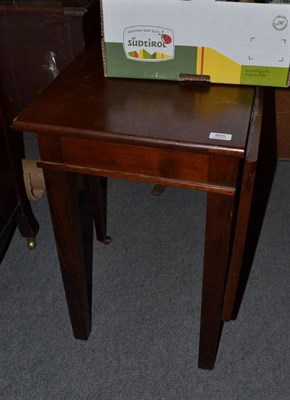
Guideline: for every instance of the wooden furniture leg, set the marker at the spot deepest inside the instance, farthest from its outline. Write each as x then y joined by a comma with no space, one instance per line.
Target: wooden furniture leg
220,211
98,195
256,180
71,219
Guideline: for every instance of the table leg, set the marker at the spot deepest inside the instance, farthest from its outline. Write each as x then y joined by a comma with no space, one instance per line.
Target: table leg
218,237
71,218
98,195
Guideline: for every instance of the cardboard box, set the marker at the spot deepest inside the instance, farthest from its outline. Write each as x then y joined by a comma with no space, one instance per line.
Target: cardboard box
223,42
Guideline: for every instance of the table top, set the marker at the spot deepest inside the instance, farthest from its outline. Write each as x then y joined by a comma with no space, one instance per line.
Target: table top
82,102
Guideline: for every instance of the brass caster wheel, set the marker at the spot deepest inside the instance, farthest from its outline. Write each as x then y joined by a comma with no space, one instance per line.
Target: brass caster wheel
31,243
107,240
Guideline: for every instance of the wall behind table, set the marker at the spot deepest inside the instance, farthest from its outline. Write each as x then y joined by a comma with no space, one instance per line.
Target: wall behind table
283,123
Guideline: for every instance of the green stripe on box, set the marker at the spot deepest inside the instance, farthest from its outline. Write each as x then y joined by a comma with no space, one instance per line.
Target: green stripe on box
264,76
118,65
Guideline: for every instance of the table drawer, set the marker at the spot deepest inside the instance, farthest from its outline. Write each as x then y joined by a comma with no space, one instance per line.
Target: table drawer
134,159
184,167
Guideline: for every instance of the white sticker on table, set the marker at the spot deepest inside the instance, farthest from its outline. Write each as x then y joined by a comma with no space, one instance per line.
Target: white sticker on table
220,136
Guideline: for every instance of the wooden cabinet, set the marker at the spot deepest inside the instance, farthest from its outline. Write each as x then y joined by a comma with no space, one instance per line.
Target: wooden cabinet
8,194
38,40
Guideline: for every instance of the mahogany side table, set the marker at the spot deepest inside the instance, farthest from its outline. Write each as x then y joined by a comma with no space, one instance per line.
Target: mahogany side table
186,134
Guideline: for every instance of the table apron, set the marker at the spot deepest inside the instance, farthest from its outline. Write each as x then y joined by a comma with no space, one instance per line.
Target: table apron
173,167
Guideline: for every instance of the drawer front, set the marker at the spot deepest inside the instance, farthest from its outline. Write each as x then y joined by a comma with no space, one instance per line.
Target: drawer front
186,168
137,160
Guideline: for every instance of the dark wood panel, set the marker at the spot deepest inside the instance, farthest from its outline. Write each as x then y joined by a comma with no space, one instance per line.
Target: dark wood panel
165,163
8,194
35,46
140,160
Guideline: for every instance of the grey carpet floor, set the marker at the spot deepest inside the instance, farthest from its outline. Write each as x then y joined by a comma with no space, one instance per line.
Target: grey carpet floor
146,304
